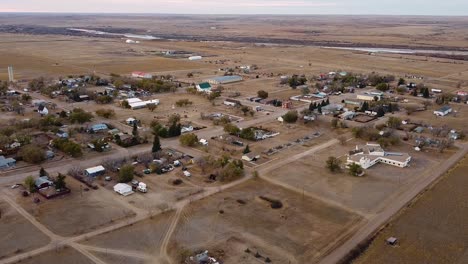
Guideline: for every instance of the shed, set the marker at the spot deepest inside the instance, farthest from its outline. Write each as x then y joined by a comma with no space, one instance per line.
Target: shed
95,171
445,110
123,189
392,241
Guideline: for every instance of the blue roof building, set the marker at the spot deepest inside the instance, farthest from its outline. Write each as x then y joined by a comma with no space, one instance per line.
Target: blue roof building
6,162
99,127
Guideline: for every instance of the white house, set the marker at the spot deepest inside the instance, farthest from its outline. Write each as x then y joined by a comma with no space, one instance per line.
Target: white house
250,157
204,87
123,189
370,154
445,110
231,102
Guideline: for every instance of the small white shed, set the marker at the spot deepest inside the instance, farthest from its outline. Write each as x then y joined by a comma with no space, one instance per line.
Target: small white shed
123,189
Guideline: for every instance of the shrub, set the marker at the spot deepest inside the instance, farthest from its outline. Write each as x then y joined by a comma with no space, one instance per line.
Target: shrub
188,140
126,173
333,164
290,117
32,154
262,94
106,113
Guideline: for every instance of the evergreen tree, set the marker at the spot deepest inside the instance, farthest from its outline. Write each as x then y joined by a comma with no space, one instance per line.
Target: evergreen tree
246,150
319,109
380,112
135,129
426,92
43,172
156,144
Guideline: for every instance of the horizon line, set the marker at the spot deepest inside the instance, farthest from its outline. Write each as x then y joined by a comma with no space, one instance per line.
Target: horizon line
220,14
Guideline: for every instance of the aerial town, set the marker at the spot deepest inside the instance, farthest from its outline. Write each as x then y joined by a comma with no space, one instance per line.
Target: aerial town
122,144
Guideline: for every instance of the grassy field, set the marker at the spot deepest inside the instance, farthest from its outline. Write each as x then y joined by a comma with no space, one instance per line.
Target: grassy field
433,229
301,230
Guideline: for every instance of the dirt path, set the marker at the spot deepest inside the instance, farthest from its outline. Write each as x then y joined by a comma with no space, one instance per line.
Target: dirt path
119,252
170,231
380,219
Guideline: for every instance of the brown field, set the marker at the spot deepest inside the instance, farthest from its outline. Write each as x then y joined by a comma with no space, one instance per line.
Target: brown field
433,229
258,225
380,183
320,209
77,213
18,234
117,259
61,255
145,236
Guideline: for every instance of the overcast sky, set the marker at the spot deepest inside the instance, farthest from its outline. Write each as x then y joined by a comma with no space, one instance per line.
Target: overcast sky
391,7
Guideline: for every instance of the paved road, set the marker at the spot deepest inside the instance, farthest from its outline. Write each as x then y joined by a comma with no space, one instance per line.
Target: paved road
380,219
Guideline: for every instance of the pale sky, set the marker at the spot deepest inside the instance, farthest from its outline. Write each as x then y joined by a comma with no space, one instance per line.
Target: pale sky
378,7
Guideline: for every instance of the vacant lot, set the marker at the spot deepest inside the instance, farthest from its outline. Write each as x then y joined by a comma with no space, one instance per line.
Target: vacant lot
432,230
364,194
145,236
18,234
301,230
78,212
61,255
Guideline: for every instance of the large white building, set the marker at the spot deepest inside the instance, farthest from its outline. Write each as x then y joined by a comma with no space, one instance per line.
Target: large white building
224,79
136,103
370,154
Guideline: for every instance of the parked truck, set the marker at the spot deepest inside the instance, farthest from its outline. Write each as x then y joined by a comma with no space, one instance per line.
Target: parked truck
142,187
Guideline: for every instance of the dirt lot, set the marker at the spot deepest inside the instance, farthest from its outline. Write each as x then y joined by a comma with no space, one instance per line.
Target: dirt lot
116,259
65,255
432,230
18,234
145,236
76,213
275,229
379,184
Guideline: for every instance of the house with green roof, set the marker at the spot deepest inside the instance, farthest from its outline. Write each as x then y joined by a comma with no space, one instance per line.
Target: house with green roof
204,87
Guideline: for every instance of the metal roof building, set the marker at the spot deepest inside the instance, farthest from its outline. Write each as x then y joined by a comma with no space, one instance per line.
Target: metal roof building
224,79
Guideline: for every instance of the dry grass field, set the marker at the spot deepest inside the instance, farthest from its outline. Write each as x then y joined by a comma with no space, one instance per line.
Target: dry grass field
380,184
433,229
61,255
256,224
18,234
145,236
78,212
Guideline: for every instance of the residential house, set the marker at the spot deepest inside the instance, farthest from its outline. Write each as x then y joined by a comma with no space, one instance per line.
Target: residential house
204,87
43,182
7,162
231,102
250,157
370,154
445,110
95,171
98,128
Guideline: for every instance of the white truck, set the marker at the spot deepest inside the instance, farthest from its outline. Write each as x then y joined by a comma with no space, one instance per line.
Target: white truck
142,187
